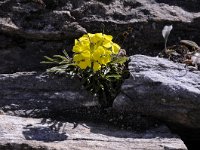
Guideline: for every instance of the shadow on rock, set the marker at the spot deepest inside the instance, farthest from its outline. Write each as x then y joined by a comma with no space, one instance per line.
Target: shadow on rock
28,133
42,133
157,132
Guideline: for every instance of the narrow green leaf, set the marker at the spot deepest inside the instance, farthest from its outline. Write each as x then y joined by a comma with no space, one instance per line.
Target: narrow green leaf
66,54
116,76
61,57
47,62
49,59
120,60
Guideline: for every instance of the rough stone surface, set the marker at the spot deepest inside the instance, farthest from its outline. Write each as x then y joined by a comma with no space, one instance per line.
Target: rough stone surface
43,134
158,87
31,29
31,93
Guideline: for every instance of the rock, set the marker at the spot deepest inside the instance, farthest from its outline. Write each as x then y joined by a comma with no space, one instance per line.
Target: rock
162,89
37,94
31,94
34,28
44,134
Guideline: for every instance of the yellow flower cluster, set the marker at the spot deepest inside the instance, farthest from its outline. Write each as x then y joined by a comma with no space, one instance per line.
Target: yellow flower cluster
94,51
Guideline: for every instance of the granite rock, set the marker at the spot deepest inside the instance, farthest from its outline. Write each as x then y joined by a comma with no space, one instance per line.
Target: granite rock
37,94
44,134
163,89
31,29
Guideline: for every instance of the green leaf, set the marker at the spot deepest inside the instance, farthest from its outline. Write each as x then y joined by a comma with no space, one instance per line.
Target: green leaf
120,60
116,76
48,58
66,54
59,69
61,57
47,62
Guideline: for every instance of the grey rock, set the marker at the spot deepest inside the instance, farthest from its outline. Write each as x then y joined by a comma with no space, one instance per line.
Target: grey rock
37,94
161,88
44,134
34,28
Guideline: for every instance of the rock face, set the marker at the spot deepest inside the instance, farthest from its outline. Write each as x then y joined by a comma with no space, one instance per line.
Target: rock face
36,94
43,134
31,29
161,88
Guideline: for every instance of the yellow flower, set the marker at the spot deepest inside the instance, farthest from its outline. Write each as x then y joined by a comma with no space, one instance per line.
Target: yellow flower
98,53
113,47
98,37
90,35
106,58
96,49
107,38
82,60
96,66
80,46
102,55
84,64
86,38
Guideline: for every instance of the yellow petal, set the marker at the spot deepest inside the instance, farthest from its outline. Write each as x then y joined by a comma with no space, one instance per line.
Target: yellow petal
97,37
84,64
115,48
101,50
97,54
108,37
108,52
86,53
76,41
96,66
108,45
90,35
77,57
77,47
105,59
85,40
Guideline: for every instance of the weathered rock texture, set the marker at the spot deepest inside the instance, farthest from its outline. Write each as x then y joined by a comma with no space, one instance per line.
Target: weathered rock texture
36,94
158,87
42,134
31,29
31,94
